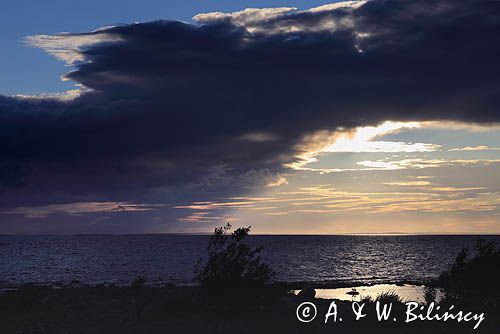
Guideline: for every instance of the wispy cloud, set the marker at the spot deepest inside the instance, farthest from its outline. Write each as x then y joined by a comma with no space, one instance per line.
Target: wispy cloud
418,196
359,140
461,126
279,181
206,217
408,183
80,208
69,47
475,148
362,140
65,96
421,163
215,205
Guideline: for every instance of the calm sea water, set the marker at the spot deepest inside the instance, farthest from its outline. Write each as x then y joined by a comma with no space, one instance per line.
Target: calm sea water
171,258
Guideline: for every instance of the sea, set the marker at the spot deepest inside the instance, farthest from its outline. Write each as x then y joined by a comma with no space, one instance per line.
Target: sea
167,258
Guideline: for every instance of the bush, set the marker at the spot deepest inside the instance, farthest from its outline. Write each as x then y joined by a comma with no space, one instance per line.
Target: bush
389,297
430,294
232,267
366,299
474,280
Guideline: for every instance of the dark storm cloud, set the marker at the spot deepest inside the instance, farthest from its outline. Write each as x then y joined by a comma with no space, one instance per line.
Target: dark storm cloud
183,106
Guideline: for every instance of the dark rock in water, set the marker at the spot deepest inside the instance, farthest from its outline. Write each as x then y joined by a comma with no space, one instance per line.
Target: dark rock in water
169,285
307,293
75,284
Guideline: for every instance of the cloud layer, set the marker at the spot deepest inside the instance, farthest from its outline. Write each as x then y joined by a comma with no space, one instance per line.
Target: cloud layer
218,107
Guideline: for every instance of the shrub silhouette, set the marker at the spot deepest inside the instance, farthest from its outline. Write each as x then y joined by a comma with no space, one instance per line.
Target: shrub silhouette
430,294
139,282
232,267
474,280
366,299
389,297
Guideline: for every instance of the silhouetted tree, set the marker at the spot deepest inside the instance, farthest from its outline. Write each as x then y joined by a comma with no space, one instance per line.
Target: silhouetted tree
232,267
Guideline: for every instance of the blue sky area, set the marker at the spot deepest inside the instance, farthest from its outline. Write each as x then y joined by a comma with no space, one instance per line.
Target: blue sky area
27,70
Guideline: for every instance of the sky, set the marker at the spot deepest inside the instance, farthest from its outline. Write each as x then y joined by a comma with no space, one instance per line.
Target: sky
294,117
25,70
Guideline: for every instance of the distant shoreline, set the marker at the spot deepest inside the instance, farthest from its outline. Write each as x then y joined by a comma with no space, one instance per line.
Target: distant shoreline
256,234
277,284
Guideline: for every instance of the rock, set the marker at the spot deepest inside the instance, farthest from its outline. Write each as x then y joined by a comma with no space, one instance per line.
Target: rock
307,293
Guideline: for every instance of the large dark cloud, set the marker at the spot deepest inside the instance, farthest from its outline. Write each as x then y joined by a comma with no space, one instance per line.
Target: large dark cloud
178,108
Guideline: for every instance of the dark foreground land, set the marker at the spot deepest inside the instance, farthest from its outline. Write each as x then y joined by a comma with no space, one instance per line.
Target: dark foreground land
141,309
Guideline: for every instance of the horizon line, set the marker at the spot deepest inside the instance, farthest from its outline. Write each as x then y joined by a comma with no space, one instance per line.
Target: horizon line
256,234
